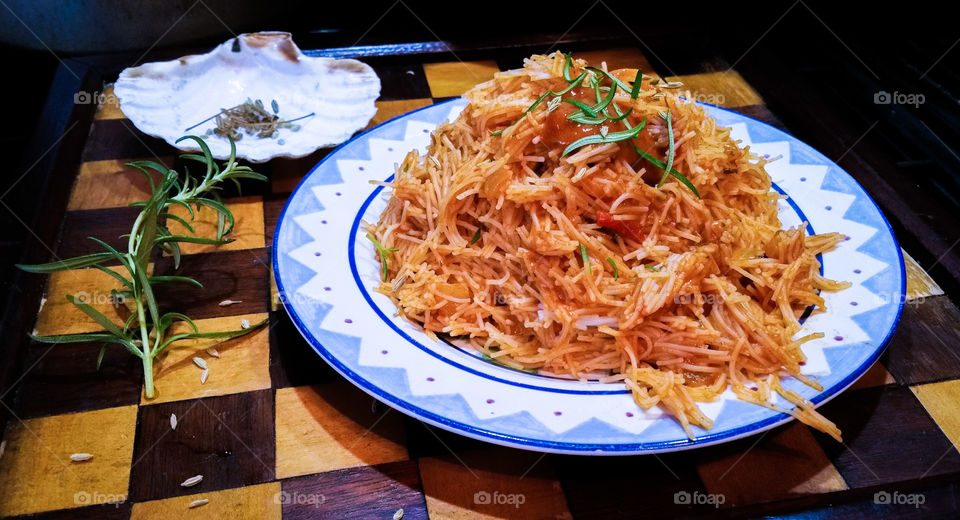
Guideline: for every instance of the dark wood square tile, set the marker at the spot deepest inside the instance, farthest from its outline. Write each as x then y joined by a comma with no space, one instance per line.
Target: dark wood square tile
293,362
107,224
119,139
227,439
242,276
400,80
926,345
887,437
607,487
360,493
424,440
64,378
119,511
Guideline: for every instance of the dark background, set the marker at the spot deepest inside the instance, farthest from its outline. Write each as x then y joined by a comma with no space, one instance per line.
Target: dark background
818,66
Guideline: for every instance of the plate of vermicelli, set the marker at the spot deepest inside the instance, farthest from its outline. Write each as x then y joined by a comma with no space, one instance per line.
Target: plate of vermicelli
580,260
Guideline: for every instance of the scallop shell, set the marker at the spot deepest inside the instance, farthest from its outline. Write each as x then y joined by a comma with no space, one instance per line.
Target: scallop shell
163,99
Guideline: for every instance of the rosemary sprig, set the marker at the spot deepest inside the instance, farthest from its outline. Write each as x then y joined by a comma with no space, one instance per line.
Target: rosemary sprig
382,251
586,259
614,137
616,271
145,332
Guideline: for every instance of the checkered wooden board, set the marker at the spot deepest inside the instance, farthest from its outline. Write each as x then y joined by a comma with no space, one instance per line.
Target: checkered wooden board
277,434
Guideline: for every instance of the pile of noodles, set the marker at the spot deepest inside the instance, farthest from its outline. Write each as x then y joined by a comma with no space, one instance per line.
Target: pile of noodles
706,295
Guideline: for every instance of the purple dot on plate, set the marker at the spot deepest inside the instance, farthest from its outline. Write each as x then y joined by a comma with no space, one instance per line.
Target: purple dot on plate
389,149
803,179
802,363
360,168
557,413
338,194
383,351
846,238
838,338
828,208
854,304
629,414
326,289
426,131
318,253
323,221
431,379
857,271
489,401
348,320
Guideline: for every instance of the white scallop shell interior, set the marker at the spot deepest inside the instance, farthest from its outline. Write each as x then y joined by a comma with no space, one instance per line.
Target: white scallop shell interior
163,99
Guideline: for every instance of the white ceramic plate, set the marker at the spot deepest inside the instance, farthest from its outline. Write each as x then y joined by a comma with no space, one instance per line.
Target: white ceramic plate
325,269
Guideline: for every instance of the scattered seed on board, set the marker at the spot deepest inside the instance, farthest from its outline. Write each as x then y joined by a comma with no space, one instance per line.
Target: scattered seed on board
213,352
244,324
398,515
80,457
204,375
200,363
192,481
173,421
227,303
198,503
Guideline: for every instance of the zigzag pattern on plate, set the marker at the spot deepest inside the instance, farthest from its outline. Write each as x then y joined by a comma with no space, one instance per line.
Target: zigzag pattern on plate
319,246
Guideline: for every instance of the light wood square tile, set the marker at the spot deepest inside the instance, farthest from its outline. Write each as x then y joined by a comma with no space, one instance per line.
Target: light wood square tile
940,400
111,184
261,501
331,426
92,286
243,365
726,89
36,473
247,232
455,77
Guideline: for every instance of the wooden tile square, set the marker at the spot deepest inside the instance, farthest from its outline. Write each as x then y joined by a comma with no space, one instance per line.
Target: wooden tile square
924,347
247,232
239,276
38,475
110,106
293,362
599,488
887,437
120,139
243,364
332,426
92,286
877,375
286,174
454,78
399,78
261,501
941,401
919,283
387,110
64,378
493,483
111,183
726,89
787,460
356,493
619,58
227,439
107,224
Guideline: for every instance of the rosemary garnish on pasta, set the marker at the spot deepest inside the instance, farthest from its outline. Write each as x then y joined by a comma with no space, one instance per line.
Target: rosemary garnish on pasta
598,115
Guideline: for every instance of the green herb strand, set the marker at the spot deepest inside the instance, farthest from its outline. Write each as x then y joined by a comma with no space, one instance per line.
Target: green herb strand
616,271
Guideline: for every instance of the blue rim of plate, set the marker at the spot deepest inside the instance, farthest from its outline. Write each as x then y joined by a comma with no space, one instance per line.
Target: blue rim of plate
706,439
